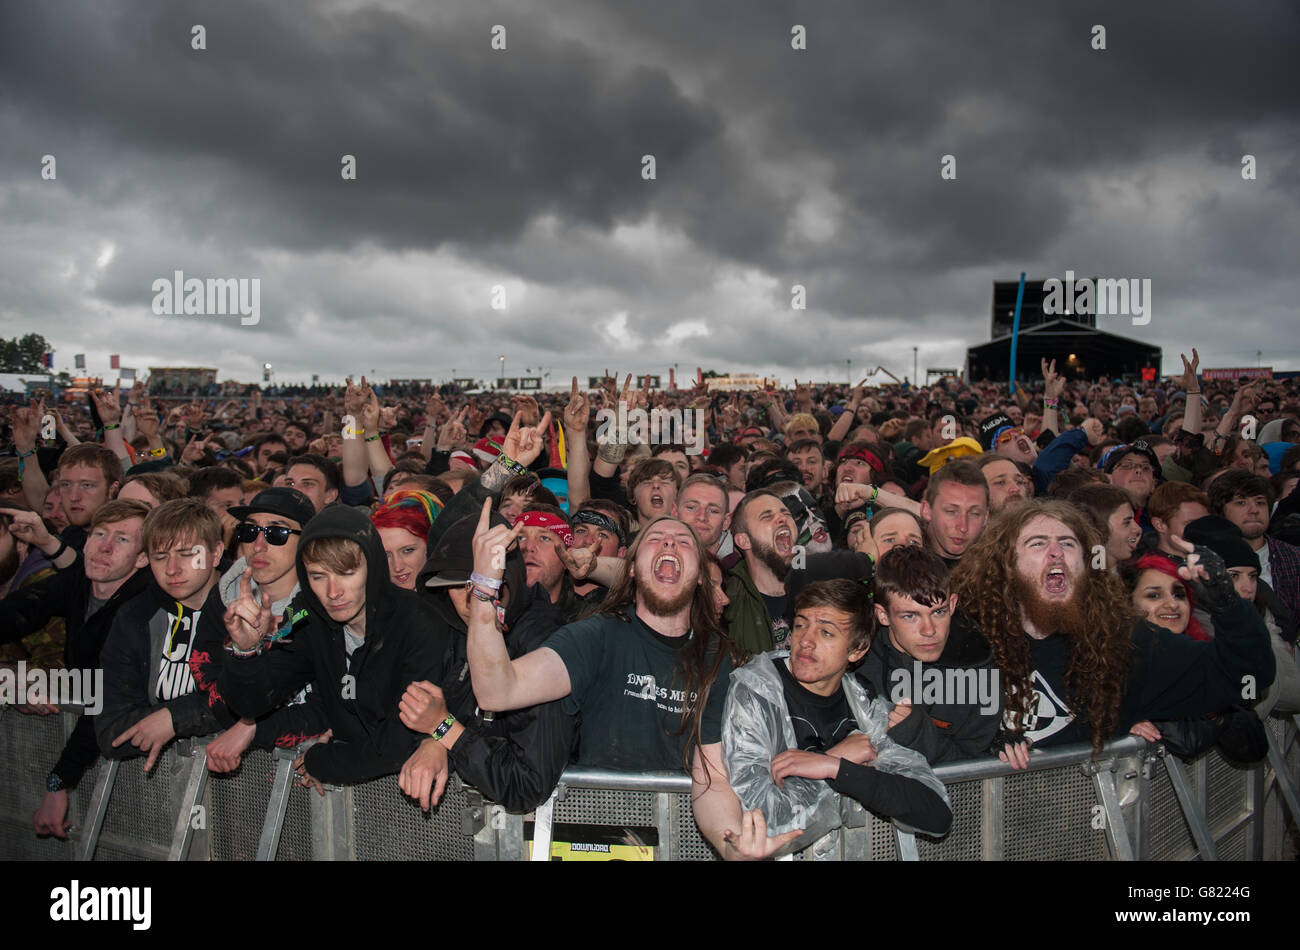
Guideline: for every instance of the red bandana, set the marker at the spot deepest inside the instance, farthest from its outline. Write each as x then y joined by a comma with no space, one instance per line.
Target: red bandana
542,519
863,455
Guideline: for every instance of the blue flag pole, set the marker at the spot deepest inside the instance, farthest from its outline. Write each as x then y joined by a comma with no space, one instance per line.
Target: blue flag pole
1015,330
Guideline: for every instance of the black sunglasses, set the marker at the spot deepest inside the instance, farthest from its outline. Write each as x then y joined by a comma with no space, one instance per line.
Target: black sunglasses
246,532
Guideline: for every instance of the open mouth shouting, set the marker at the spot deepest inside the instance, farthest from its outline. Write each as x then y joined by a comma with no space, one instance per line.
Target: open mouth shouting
667,569
657,502
783,541
1056,580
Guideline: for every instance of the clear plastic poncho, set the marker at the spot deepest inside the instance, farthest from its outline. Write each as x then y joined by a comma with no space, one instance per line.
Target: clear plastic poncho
757,729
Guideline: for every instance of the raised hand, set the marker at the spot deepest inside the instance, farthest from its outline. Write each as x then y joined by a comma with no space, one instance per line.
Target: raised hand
1093,429
194,415
453,433
435,409
247,621
354,396
579,562
526,407
491,543
524,443
27,526
1189,381
369,414
1053,382
26,423
146,423
576,412
193,451
106,404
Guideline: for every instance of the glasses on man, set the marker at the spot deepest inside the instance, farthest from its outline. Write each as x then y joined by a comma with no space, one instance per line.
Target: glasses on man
246,532
1140,468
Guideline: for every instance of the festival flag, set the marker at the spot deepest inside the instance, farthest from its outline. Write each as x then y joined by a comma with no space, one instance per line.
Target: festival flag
79,361
114,361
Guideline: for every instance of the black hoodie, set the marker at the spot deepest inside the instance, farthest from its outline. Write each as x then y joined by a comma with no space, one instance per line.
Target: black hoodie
67,594
515,758
944,731
145,629
404,642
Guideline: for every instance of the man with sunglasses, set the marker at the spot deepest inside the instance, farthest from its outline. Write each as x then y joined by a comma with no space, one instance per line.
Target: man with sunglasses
999,434
267,537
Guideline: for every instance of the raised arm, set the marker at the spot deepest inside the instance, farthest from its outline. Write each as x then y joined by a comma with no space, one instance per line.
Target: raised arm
353,452
611,453
500,683
578,463
1053,386
1191,385
26,424
848,418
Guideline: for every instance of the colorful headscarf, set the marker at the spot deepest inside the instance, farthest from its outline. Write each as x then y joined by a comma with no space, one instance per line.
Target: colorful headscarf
410,509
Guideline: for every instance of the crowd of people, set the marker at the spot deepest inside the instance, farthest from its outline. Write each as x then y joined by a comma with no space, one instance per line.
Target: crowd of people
844,587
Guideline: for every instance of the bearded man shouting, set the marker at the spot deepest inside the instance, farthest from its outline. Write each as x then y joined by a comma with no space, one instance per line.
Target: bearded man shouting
1077,663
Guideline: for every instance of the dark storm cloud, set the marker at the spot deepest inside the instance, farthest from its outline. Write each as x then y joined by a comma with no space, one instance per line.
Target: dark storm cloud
454,142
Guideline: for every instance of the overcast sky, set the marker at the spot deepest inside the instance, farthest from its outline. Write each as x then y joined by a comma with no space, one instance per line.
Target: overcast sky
523,168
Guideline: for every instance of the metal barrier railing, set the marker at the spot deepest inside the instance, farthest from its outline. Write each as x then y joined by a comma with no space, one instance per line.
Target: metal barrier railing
1131,802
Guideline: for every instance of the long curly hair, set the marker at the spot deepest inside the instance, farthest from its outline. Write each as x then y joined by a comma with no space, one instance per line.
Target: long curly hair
985,583
700,660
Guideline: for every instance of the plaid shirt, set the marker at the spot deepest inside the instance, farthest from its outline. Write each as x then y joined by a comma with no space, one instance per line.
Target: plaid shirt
1284,565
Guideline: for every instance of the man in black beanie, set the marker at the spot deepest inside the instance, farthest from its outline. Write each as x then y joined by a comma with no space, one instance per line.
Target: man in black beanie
1226,539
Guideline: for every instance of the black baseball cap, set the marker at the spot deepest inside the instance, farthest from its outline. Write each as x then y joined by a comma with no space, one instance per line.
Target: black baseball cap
285,502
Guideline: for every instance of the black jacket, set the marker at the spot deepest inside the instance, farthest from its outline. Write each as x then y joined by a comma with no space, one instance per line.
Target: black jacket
514,758
67,595
131,663
944,731
404,642
1170,676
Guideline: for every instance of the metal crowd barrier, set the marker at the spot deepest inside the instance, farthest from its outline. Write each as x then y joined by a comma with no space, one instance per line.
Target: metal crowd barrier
1131,802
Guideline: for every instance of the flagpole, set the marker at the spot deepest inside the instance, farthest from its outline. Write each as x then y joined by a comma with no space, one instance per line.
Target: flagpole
1015,330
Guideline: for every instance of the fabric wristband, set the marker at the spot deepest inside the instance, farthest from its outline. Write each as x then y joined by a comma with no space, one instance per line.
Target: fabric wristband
493,582
510,465
487,595
444,727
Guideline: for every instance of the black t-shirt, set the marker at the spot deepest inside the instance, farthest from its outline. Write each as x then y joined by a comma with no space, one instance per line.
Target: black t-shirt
626,687
819,721
776,613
